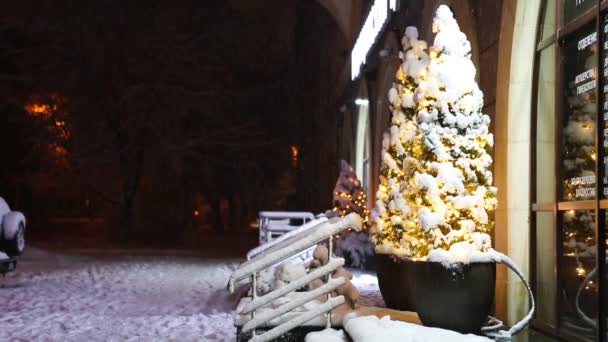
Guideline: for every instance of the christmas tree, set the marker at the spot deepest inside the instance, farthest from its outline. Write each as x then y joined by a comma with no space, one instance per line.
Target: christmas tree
349,195
436,194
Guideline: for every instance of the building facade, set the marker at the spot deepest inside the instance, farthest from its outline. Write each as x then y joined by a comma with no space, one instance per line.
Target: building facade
538,67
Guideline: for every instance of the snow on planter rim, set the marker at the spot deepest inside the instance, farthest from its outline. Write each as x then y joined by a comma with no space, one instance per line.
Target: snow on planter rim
463,253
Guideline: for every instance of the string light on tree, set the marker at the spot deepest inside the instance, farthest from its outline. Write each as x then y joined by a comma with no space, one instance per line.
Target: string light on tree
349,197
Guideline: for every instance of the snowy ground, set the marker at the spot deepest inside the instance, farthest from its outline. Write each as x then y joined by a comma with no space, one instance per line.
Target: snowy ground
56,297
53,297
367,284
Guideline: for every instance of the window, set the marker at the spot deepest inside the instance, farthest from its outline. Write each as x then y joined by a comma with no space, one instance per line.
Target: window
573,9
569,185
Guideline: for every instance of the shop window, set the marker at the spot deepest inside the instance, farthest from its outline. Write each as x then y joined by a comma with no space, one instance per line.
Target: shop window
568,204
573,9
603,145
578,289
579,105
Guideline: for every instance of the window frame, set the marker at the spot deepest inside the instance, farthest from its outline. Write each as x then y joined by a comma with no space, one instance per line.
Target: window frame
559,206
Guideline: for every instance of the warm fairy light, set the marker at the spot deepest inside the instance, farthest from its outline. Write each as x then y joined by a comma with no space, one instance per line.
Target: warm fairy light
44,106
196,213
50,109
36,109
580,271
294,152
58,151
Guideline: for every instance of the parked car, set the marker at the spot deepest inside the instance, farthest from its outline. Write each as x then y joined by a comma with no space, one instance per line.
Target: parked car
12,230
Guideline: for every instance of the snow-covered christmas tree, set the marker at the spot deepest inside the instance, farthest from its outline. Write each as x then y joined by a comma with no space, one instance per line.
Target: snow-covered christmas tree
436,195
349,196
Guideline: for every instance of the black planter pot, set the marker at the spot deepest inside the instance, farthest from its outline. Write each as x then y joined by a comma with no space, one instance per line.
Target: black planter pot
458,299
393,280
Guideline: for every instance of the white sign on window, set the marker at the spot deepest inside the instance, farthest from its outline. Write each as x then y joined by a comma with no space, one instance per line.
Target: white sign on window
374,23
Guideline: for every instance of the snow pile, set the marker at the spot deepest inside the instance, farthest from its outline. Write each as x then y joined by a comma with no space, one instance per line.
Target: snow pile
289,272
266,281
327,335
436,185
374,329
3,256
276,277
463,253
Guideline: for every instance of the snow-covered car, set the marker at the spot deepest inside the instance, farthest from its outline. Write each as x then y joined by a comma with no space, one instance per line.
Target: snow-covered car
12,230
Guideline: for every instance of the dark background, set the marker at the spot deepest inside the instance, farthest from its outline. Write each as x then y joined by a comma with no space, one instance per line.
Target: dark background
157,123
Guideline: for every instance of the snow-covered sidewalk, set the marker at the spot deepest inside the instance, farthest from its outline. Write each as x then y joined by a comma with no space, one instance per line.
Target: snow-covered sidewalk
53,297
56,297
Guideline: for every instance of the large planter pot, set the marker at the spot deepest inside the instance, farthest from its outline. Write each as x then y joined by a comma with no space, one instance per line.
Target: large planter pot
458,299
393,280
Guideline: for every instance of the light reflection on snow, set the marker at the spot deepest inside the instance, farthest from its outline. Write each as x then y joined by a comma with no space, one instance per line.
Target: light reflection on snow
367,284
365,279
